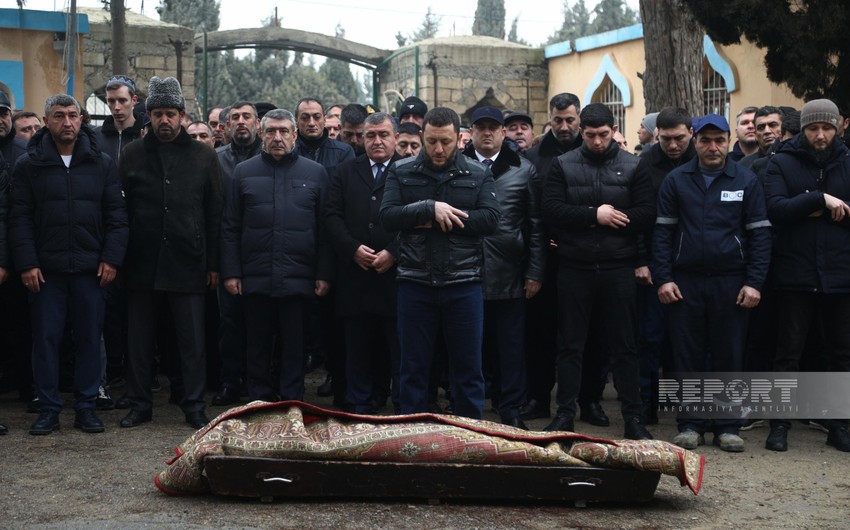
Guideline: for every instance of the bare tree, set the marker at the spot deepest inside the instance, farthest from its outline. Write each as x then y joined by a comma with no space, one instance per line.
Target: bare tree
119,38
672,41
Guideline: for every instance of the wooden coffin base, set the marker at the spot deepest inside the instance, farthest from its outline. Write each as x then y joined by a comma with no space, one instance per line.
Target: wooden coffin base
269,478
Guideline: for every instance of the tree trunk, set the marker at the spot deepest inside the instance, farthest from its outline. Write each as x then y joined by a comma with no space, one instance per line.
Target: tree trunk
672,41
119,40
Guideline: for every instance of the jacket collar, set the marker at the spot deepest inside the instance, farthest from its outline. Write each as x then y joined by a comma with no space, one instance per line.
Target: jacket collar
657,158
151,141
507,158
42,148
287,159
550,146
134,130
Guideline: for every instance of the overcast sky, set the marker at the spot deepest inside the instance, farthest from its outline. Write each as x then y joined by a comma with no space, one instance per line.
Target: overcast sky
374,23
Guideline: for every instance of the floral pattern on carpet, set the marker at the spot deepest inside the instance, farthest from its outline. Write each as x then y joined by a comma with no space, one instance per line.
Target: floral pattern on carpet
300,431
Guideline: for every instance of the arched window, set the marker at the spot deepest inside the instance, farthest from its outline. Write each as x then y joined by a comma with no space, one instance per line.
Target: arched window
609,95
715,96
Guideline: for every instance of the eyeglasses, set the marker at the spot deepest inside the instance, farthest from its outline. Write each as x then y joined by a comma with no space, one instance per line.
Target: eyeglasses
122,80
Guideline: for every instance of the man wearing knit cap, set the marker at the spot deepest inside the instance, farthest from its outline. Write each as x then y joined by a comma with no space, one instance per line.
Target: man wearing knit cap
807,185
173,189
646,131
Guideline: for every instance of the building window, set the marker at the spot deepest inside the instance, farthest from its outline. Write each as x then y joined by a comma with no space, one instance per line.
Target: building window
609,95
715,96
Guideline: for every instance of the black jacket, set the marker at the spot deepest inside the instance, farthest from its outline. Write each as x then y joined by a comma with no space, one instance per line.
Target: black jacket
112,142
428,255
11,149
272,234
721,230
231,154
66,219
326,151
581,181
810,253
657,165
174,199
543,154
517,250
353,219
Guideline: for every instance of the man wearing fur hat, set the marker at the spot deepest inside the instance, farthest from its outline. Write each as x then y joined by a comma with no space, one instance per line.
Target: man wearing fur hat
173,190
807,186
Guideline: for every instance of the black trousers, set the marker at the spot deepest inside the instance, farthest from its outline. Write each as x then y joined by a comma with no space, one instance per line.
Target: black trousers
188,312
370,340
612,294
800,311
267,318
541,336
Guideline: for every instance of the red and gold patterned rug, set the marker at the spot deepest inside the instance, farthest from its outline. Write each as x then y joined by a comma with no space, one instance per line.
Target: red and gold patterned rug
297,430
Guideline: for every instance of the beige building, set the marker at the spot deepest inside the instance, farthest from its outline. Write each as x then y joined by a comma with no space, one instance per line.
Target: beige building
604,68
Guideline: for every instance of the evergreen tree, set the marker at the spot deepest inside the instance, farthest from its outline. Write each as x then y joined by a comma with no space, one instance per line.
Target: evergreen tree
805,41
513,36
576,23
200,15
338,74
490,19
429,28
612,14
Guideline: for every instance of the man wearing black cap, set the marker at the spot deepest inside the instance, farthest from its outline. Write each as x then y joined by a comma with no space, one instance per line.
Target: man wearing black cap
173,189
597,204
514,258
711,250
807,184
412,110
520,129
442,205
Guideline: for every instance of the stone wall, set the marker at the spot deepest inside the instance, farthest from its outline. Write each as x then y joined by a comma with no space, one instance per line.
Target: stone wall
464,73
151,50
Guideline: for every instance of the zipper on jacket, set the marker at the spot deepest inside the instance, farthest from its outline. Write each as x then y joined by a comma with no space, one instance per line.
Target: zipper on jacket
740,247
70,217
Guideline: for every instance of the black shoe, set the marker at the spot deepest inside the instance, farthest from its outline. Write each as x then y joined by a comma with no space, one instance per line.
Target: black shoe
103,400
87,421
123,403
228,395
3,429
593,414
839,438
534,410
47,422
777,440
326,389
635,430
515,422
134,418
562,422
197,419
649,413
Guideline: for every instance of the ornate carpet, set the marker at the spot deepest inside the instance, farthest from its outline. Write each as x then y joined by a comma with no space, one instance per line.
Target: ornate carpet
297,430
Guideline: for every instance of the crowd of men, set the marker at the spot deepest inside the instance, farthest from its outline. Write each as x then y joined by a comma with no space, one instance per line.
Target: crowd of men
411,252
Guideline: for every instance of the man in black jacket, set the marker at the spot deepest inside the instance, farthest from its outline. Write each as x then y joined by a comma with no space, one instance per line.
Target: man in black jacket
674,148
275,255
542,322
807,185
598,205
173,189
68,235
14,316
123,125
514,259
313,141
244,144
443,205
366,256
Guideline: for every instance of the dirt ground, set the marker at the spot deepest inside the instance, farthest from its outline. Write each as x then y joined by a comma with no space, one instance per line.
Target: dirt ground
75,480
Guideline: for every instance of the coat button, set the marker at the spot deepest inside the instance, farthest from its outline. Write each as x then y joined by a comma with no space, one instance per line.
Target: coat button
167,181
374,198
371,225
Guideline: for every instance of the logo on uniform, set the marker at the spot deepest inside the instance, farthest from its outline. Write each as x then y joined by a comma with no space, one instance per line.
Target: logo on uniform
732,196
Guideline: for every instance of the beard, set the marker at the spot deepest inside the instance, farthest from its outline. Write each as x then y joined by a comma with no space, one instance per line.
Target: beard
820,156
440,167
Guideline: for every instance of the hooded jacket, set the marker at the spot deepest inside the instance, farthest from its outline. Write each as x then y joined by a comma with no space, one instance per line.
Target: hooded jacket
174,200
66,219
517,250
810,253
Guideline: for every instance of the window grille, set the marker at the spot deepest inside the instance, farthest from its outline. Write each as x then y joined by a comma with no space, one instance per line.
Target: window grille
714,94
608,94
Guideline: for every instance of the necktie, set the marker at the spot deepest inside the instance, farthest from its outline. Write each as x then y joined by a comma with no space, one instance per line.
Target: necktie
379,173
487,162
